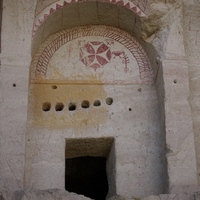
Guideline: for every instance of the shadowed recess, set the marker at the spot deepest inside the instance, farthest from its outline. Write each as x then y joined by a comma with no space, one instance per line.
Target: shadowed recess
87,176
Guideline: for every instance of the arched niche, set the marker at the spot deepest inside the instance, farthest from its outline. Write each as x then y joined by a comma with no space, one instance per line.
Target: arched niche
108,54
54,16
45,8
94,82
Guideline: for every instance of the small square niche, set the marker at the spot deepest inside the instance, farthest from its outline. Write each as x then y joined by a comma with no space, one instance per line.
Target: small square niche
89,167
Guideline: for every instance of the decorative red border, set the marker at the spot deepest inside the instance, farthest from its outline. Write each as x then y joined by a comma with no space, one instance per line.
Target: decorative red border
47,50
140,7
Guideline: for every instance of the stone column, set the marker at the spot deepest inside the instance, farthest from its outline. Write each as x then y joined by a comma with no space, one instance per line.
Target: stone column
180,153
180,147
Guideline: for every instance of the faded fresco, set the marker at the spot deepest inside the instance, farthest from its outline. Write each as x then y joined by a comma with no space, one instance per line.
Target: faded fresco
105,53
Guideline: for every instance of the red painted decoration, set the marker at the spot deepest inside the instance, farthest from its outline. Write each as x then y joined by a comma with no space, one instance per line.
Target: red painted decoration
95,54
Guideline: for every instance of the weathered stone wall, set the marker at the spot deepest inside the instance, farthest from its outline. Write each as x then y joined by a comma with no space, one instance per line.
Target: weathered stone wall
169,41
14,77
192,45
179,133
95,63
160,121
64,195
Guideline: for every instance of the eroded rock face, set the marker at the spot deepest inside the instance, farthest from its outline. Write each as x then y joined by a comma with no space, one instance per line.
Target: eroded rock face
164,29
118,198
180,196
56,194
42,195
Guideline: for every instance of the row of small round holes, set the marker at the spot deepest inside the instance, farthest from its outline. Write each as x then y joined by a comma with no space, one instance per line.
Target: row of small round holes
46,106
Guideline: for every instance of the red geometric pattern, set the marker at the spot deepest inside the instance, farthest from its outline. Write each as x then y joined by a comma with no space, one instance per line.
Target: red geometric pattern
95,54
140,7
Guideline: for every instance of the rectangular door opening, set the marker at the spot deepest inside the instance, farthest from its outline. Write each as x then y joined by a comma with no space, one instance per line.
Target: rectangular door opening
86,167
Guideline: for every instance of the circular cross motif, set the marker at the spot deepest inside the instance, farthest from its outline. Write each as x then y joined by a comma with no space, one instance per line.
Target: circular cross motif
95,54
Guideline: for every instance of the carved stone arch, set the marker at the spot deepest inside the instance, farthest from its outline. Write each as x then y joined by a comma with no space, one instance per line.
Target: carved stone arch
46,8
46,51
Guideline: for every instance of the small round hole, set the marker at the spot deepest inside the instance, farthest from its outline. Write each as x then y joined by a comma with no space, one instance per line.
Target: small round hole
175,81
46,106
14,85
109,101
139,89
130,109
85,104
59,107
72,107
97,103
54,87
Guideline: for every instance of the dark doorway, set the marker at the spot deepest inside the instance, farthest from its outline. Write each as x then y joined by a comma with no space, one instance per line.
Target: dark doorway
87,176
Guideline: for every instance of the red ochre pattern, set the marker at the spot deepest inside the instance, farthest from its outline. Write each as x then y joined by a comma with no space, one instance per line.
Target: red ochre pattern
47,50
140,7
95,54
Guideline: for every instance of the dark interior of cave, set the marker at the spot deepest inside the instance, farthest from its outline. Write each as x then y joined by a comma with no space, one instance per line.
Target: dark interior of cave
87,176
